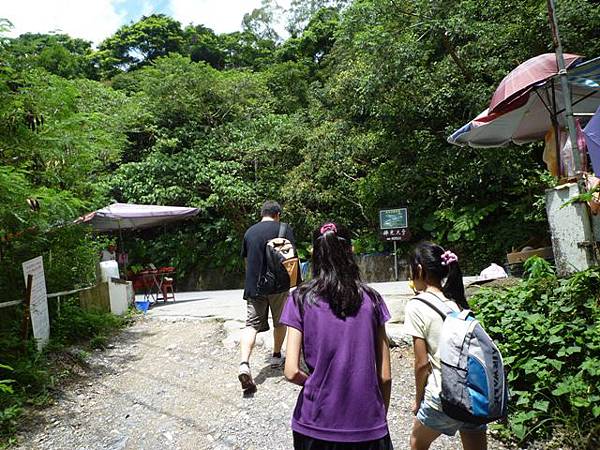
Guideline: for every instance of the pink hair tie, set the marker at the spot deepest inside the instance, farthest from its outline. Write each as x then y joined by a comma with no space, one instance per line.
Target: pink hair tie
448,258
328,227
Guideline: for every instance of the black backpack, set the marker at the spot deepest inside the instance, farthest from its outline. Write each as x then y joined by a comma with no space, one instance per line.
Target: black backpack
281,266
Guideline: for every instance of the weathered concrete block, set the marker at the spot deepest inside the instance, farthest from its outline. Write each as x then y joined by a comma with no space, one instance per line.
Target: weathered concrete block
96,298
573,239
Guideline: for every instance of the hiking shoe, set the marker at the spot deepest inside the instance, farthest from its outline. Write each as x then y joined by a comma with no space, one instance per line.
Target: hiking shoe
245,378
276,362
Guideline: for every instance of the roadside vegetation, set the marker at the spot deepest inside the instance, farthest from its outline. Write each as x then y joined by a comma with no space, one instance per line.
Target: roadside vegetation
549,331
28,377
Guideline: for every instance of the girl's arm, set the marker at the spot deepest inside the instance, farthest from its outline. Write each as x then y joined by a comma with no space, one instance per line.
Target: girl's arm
292,370
384,369
422,368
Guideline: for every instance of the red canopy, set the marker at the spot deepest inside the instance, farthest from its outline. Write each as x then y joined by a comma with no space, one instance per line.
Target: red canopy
525,76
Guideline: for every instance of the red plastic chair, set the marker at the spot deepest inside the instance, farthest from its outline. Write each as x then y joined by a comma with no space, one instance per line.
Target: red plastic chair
167,287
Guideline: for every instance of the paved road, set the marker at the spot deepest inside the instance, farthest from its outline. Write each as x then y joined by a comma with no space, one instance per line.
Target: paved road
228,305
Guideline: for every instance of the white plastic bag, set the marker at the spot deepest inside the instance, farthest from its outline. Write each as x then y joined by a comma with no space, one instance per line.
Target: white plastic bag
493,272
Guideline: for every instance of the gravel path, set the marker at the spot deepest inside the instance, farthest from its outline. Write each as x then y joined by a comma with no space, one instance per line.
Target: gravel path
173,384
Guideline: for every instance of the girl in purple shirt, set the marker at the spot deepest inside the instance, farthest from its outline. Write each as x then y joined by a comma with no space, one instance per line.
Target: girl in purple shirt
339,324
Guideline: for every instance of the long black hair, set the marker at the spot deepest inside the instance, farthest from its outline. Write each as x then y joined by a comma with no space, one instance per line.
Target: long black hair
336,276
437,268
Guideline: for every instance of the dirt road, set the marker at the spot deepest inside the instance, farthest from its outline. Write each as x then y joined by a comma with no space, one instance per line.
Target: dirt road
172,384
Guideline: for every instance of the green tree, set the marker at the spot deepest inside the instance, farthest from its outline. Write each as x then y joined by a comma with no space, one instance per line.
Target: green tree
59,54
399,79
140,43
220,145
245,50
316,41
260,22
204,45
301,12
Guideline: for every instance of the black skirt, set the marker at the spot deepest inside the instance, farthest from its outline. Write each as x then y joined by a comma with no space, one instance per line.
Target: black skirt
302,442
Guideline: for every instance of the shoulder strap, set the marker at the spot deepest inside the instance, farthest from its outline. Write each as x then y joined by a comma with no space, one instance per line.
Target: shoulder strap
435,303
282,230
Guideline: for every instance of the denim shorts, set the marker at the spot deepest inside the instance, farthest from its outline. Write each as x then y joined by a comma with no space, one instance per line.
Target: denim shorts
439,421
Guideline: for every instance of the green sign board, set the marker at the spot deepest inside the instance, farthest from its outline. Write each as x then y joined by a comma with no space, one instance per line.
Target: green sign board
392,219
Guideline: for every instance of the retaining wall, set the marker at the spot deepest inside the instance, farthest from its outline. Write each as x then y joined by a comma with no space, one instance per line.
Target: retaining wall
374,268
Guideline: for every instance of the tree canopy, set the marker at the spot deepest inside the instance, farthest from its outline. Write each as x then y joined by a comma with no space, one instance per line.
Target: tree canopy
347,115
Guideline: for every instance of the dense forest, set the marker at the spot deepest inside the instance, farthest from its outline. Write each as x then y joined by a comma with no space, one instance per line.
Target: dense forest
348,114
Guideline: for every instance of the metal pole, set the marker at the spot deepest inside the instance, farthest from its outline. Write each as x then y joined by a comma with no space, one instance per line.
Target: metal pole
564,83
122,250
395,261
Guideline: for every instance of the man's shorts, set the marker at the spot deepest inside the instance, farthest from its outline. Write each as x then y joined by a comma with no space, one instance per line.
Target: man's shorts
439,421
258,311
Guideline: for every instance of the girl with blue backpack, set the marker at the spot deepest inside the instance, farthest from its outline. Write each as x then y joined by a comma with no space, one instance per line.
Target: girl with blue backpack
437,277
339,324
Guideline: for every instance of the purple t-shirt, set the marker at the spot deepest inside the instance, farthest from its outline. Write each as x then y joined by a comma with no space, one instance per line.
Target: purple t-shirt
341,400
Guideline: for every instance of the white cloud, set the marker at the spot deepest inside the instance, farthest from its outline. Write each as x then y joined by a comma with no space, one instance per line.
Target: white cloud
223,16
93,20
148,8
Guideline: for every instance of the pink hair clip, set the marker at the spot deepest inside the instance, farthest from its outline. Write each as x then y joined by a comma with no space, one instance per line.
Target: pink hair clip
448,258
328,227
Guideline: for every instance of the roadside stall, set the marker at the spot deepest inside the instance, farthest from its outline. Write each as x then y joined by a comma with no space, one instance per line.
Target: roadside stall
536,102
118,217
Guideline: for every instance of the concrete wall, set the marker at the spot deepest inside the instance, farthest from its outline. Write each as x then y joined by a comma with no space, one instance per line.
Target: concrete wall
374,268
96,298
211,280
377,268
572,235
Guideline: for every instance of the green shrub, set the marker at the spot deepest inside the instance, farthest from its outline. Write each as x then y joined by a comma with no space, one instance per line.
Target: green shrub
75,324
548,330
8,413
28,375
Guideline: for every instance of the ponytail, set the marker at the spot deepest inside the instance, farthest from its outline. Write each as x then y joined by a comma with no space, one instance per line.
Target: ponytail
439,264
453,287
336,276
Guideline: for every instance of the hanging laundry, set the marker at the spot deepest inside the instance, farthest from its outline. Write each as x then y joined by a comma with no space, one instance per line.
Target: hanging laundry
592,138
566,153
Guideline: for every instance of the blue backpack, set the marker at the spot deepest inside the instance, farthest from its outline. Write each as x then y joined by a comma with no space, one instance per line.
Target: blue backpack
474,385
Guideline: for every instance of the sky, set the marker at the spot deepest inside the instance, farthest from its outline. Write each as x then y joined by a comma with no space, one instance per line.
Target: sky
95,20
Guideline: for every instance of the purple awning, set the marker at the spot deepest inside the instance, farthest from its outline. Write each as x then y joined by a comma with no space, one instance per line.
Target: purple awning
126,216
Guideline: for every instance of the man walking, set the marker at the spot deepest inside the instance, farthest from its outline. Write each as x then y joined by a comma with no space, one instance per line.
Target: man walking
253,250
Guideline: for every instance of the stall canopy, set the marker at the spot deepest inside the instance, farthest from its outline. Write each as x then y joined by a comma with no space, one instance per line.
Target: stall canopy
121,216
527,75
526,115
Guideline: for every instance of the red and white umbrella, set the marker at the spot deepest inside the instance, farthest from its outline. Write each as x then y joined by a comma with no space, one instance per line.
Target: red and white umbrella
528,116
526,76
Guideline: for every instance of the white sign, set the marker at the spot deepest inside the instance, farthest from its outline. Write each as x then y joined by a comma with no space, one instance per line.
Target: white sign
40,320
